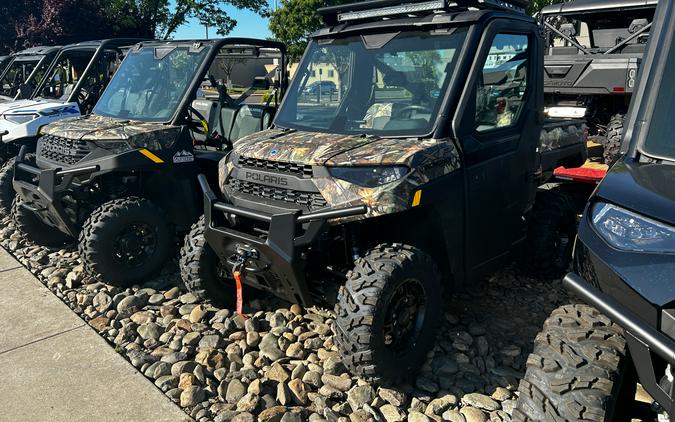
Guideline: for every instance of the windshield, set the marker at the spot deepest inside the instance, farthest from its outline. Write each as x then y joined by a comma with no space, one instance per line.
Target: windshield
65,74
17,73
660,141
150,83
380,84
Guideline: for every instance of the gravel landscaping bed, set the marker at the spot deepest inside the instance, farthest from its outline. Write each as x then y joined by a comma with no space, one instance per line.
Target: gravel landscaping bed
281,364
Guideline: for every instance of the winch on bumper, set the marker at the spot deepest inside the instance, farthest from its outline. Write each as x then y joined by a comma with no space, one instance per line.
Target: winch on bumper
275,261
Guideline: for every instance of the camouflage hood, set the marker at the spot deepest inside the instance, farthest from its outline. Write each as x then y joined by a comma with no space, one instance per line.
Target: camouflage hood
99,128
428,159
333,149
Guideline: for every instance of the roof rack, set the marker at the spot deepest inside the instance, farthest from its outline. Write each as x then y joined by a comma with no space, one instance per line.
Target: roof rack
379,9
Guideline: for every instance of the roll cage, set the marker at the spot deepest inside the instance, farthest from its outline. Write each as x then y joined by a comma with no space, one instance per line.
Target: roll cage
100,47
214,48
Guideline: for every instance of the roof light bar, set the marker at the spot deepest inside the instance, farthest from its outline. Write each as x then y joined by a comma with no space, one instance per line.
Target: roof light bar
403,9
373,9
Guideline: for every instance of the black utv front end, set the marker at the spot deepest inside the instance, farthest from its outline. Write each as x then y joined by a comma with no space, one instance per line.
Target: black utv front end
268,248
626,272
69,178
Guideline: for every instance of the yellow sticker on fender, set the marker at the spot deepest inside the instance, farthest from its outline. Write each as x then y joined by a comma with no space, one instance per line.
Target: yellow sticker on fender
150,155
417,198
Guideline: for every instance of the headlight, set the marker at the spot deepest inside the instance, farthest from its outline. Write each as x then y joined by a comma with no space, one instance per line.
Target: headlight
116,147
566,112
369,177
20,119
632,232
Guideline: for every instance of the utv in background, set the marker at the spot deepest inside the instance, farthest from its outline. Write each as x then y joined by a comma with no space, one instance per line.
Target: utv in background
420,172
4,61
27,68
70,87
123,179
587,359
594,50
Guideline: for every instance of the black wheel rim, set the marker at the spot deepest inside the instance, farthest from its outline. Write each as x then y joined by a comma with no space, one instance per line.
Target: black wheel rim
404,316
135,244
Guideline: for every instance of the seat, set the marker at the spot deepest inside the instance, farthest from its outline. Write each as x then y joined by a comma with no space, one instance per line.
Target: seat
210,110
250,119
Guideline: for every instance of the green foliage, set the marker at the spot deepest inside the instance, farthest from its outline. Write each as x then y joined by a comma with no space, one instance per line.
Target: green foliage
295,20
161,18
34,22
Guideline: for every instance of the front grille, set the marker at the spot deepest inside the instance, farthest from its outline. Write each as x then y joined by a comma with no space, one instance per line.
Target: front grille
299,170
62,150
312,200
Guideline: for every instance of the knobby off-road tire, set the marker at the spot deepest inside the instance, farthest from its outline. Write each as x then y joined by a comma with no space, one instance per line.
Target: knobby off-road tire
125,241
552,228
579,370
370,297
7,193
612,146
199,269
34,229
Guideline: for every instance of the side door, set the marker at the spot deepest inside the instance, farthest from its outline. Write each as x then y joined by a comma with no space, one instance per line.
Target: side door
498,128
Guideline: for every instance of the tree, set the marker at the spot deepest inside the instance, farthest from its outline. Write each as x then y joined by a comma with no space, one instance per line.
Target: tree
62,22
161,18
41,22
295,20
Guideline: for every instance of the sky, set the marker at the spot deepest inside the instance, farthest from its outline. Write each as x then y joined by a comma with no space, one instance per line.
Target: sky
249,25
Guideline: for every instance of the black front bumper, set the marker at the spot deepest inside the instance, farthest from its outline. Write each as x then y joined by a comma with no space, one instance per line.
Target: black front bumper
43,191
643,340
277,263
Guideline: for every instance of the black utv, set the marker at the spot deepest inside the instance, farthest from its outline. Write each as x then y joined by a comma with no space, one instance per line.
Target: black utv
4,61
26,69
418,171
123,180
70,87
594,50
589,357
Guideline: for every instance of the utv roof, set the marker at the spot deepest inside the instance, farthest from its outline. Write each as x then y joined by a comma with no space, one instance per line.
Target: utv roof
593,6
384,9
37,51
395,14
108,43
217,42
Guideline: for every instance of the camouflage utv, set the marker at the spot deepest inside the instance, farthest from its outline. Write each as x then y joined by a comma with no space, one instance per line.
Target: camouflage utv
122,180
418,172
595,48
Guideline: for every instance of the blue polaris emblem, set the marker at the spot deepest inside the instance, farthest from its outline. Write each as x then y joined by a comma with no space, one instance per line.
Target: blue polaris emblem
274,152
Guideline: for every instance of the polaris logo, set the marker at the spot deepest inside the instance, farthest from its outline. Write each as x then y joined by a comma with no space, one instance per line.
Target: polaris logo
183,157
59,149
266,178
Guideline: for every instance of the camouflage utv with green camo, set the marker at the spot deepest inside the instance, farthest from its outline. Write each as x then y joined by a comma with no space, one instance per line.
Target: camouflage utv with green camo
123,180
417,174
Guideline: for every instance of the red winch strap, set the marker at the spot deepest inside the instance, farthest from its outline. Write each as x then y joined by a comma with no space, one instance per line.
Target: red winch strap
240,293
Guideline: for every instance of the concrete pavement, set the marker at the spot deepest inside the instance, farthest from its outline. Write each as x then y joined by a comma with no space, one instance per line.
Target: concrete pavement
56,368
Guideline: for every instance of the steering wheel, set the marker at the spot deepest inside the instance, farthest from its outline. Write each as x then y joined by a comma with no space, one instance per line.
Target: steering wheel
410,109
83,96
200,124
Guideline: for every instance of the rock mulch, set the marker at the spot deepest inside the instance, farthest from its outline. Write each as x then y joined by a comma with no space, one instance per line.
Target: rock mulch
281,363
